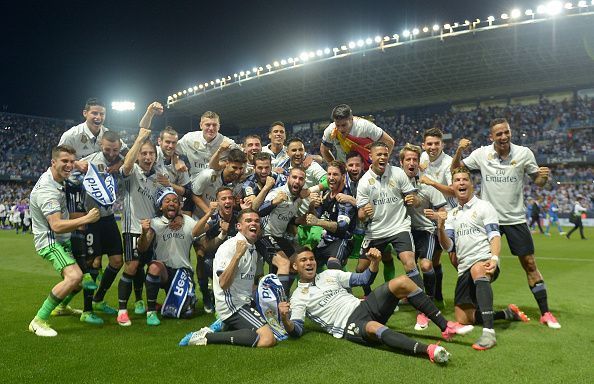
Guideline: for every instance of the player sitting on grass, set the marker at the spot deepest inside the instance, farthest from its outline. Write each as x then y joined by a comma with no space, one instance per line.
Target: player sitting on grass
324,299
472,231
172,254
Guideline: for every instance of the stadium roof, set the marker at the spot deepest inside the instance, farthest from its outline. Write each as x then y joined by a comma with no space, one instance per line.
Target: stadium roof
530,56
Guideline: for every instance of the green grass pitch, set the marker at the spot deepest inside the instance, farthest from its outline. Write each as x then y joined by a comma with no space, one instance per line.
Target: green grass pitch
526,353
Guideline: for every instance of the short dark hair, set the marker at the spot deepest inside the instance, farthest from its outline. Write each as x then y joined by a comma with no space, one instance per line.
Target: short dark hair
111,136
236,155
168,130
279,123
341,112
352,154
252,137
297,169
337,164
295,140
92,102
434,132
222,189
378,144
262,156
148,141
62,148
461,170
245,212
499,120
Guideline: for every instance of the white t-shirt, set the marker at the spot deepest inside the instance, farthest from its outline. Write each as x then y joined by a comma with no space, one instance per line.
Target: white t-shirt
326,301
47,197
173,247
313,175
140,196
275,224
193,146
503,180
431,198
83,141
175,177
439,170
228,301
361,128
472,227
206,184
386,195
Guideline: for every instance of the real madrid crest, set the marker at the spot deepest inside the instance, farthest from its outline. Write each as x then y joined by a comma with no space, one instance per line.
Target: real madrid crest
101,167
371,181
213,178
84,138
490,156
473,215
513,163
197,145
392,184
305,290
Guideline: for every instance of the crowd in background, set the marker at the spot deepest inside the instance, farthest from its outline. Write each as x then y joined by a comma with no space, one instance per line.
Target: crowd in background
548,128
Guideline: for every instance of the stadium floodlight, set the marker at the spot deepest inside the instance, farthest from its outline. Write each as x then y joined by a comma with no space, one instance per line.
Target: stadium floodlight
447,26
378,39
276,64
504,16
235,75
425,29
303,56
200,86
319,53
190,89
368,41
255,70
283,62
179,94
568,5
228,78
515,13
396,37
343,47
415,31
185,92
242,73
260,69
386,38
312,55
175,95
360,43
124,105
290,60
268,66
247,73
466,23
541,9
352,44
405,33
218,81
435,27
529,12
335,50
195,88
456,25
582,4
491,19
327,51
211,82
554,8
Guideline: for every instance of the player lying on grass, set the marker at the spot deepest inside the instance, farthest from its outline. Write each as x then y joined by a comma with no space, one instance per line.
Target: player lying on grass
324,298
472,231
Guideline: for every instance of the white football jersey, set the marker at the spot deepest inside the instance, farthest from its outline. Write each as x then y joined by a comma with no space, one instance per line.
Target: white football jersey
326,301
502,181
275,224
471,227
173,247
83,141
140,196
439,170
199,152
361,128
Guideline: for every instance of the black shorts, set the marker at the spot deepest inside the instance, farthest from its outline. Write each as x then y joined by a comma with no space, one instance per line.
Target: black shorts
339,249
247,317
378,306
401,242
104,238
424,244
518,238
466,290
131,250
78,242
273,245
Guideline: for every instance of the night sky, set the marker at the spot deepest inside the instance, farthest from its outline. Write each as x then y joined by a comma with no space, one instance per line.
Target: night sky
57,54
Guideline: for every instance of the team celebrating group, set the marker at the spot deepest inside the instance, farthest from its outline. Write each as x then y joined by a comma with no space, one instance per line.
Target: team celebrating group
243,206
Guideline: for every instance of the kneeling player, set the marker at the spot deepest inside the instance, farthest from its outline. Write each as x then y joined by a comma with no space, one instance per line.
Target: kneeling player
472,229
325,300
235,268
172,253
